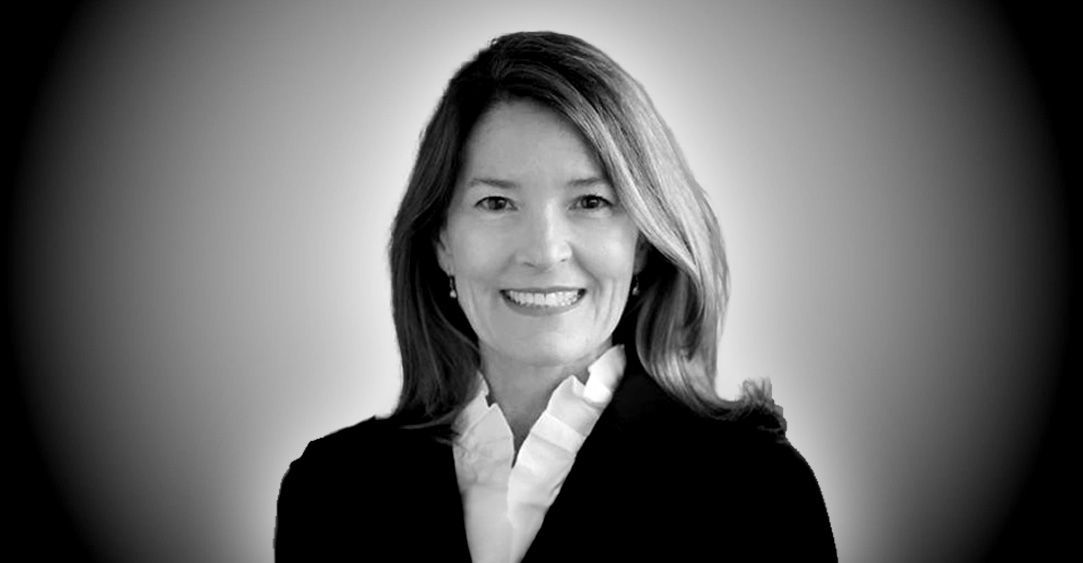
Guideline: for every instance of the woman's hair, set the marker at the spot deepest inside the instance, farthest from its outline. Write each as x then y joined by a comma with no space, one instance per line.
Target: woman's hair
674,324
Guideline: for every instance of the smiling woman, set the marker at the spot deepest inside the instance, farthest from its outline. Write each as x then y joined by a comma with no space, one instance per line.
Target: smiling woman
540,252
559,284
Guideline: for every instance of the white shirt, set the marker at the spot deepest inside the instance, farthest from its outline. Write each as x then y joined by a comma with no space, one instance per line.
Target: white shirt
504,503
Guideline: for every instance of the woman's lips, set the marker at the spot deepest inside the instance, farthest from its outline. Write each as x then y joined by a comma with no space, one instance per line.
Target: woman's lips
544,300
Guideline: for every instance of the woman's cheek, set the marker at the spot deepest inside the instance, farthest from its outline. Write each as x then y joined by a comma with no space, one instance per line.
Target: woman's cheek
486,251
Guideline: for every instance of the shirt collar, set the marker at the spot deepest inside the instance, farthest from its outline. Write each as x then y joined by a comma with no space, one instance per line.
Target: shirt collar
603,376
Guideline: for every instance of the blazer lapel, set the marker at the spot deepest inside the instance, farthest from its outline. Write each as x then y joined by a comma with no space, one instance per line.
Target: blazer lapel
433,506
597,503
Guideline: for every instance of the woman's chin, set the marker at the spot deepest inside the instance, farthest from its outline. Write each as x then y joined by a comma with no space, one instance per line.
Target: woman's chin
557,352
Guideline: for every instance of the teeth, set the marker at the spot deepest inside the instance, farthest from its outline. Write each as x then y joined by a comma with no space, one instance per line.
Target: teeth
555,299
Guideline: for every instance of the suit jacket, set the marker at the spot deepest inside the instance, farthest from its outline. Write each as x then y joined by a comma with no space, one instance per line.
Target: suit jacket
652,482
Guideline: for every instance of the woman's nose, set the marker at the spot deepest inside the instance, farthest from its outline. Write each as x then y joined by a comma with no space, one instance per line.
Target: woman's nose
545,240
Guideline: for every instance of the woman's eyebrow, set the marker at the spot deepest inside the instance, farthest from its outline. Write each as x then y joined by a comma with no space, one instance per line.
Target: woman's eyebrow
493,182
587,182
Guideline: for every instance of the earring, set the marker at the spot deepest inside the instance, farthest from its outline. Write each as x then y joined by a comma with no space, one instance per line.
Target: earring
635,285
451,287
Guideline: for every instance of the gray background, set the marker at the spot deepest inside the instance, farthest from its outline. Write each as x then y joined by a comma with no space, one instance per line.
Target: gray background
204,285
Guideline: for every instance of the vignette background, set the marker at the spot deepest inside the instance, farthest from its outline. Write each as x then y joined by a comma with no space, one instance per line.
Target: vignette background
199,283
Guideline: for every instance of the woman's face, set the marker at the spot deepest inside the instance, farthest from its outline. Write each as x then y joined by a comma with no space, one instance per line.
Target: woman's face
541,250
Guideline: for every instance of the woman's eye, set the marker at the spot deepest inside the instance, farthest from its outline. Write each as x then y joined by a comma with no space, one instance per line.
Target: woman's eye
494,203
593,202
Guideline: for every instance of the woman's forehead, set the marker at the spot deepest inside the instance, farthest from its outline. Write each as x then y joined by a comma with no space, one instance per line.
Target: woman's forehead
518,139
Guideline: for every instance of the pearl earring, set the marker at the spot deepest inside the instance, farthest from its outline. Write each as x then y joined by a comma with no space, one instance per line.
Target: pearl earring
451,287
635,285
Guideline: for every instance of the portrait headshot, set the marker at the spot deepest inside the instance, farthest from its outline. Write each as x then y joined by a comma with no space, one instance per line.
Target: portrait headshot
558,286
606,281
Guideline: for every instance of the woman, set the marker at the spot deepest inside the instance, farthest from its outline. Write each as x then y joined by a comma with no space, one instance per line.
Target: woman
559,284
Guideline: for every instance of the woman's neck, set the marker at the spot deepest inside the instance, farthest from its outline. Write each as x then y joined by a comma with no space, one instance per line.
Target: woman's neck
523,390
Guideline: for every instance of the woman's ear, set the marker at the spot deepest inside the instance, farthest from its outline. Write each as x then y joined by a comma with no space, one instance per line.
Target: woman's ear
443,253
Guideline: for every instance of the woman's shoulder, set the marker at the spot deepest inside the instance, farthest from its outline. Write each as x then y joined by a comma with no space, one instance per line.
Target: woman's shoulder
737,465
747,441
351,489
642,405
753,465
750,444
357,445
368,432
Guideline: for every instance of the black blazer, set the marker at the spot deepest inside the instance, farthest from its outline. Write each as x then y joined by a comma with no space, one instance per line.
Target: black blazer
652,482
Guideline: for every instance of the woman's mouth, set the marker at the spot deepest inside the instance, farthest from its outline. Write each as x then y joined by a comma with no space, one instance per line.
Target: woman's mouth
547,300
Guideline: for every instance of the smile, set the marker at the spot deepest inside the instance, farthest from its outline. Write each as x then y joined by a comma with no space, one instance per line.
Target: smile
544,299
